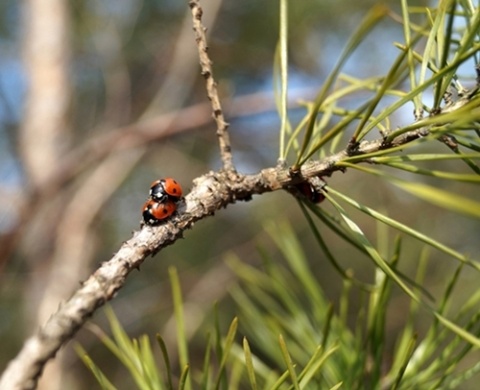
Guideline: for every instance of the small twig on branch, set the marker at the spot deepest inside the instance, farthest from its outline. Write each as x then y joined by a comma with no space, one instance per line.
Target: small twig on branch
212,92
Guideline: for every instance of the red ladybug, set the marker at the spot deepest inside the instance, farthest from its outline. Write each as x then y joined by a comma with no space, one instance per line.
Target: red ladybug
165,189
154,212
312,189
309,192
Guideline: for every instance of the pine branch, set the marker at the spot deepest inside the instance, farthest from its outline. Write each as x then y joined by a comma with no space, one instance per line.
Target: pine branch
210,193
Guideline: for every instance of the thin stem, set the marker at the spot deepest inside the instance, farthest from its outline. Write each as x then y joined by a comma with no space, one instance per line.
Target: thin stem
211,86
283,73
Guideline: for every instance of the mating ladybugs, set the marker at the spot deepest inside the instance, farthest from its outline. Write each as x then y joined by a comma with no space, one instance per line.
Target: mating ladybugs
162,202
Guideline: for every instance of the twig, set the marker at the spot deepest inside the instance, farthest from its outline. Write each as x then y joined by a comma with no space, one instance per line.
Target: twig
211,85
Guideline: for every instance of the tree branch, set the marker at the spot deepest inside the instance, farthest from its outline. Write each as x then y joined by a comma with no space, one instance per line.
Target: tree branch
126,138
210,193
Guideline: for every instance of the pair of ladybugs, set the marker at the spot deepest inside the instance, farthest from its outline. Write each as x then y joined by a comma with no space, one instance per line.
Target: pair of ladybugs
162,202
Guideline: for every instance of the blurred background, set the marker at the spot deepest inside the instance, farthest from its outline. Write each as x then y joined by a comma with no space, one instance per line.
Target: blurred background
100,98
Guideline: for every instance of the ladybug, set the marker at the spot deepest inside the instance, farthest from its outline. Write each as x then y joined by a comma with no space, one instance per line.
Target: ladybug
312,189
154,212
165,189
309,192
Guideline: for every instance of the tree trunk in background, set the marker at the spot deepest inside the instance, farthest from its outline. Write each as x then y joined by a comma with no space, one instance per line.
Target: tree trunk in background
47,54
43,140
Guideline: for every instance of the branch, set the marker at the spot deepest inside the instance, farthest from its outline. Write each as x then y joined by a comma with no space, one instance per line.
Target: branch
210,193
212,92
132,136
